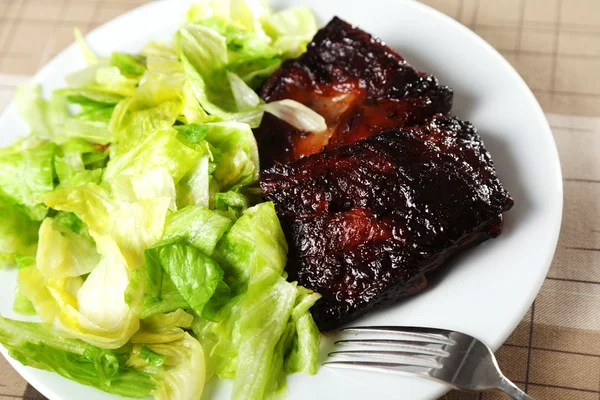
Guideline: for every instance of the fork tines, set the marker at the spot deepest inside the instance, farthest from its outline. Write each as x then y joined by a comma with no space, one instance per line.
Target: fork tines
430,335
403,349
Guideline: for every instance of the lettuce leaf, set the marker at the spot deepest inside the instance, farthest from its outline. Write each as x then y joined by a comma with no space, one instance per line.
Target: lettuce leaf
185,379
266,310
107,324
38,346
130,126
303,356
232,203
70,221
159,293
178,372
255,242
297,114
239,164
220,336
204,57
160,149
154,183
90,203
21,304
130,65
33,109
122,231
163,328
197,277
205,51
195,187
175,358
261,335
134,226
25,176
291,29
199,226
192,134
18,234
71,172
89,55
150,357
34,286
63,253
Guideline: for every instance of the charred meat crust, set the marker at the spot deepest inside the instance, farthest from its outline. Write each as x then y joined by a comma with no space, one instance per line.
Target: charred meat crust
391,190
361,87
366,222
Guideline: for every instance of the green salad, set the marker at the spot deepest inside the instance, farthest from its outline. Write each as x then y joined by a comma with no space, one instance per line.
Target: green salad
133,215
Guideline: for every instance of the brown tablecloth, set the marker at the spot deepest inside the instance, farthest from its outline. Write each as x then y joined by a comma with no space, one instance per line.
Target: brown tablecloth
555,44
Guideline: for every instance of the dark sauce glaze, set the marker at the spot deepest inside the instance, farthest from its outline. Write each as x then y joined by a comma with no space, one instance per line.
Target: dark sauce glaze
392,188
358,84
367,222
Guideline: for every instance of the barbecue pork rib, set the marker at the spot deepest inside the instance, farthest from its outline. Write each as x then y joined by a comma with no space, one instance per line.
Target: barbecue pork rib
366,223
358,84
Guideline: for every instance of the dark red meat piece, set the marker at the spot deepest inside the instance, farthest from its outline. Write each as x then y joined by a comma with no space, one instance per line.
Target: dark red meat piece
389,191
358,84
367,222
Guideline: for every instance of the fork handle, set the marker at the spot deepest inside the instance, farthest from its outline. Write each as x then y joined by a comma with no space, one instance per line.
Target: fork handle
513,391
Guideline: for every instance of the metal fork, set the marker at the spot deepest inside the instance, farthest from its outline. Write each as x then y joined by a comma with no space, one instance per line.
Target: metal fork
456,359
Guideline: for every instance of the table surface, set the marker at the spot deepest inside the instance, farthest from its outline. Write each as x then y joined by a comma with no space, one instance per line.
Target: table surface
555,45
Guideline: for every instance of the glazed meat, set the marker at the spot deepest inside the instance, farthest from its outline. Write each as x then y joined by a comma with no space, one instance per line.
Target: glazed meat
367,222
358,84
389,191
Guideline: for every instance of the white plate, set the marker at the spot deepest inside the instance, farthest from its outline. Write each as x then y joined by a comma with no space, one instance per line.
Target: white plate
486,291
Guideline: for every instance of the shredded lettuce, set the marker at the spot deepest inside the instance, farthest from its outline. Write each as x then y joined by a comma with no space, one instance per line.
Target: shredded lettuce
35,287
238,164
260,360
18,234
133,214
109,323
34,109
167,369
88,54
199,226
25,176
195,187
161,149
185,379
297,115
291,29
255,242
129,65
259,351
163,328
159,293
195,275
63,253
